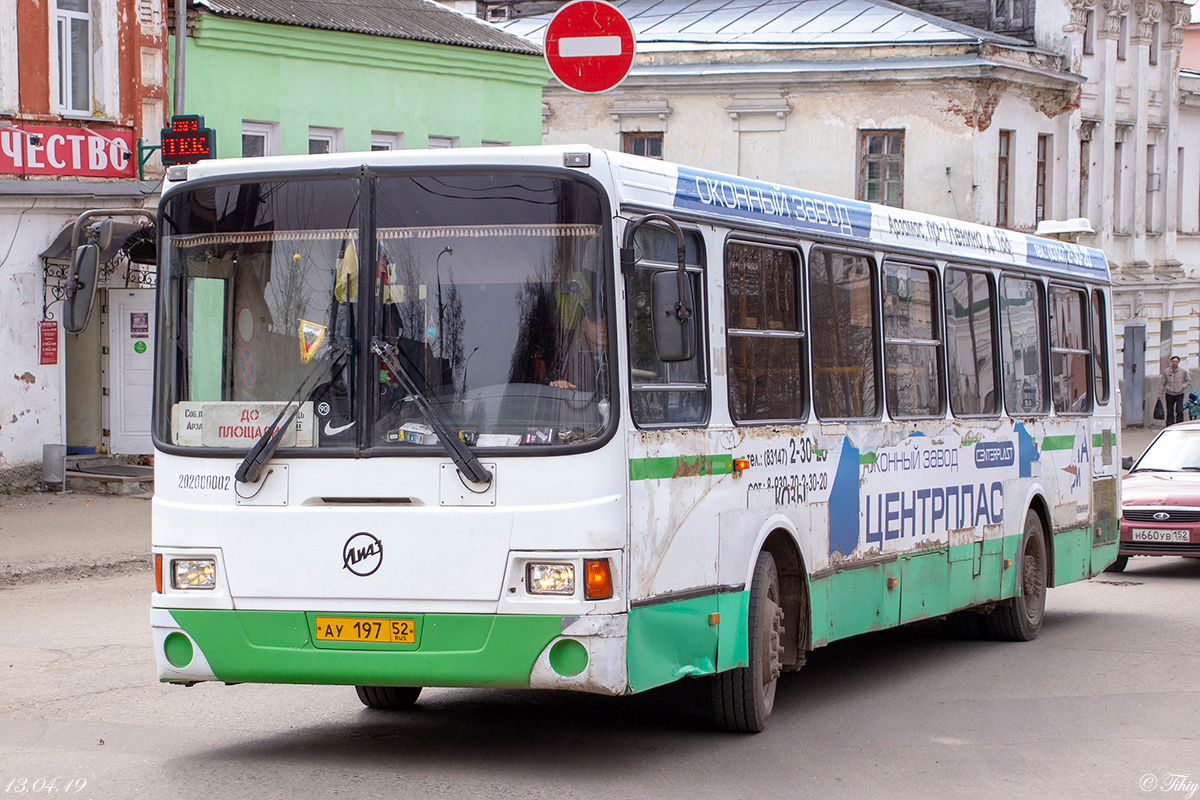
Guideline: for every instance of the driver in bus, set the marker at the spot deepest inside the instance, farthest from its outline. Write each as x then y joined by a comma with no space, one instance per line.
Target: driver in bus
583,366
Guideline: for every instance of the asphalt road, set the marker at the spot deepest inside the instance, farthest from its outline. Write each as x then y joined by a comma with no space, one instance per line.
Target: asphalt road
1105,697
1106,703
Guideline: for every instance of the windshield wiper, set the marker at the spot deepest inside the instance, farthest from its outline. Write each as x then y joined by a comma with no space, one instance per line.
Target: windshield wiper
458,451
251,467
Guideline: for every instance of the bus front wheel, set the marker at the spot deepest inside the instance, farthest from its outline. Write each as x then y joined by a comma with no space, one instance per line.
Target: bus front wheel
743,697
1021,620
391,698
1118,565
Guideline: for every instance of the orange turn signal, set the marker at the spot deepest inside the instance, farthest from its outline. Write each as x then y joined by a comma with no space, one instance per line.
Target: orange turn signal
740,464
597,579
158,572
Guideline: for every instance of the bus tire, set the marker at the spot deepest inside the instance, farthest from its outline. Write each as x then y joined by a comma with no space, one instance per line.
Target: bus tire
1118,565
743,697
390,698
1021,619
966,625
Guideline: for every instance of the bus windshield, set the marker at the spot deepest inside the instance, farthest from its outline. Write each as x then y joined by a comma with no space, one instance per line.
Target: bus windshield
491,290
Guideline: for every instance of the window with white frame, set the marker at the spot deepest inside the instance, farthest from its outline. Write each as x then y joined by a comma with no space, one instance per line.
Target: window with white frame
494,143
386,140
324,140
1008,14
73,30
260,139
1042,176
881,167
442,142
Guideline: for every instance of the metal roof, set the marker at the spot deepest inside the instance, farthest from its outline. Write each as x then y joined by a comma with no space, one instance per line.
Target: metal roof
419,20
666,24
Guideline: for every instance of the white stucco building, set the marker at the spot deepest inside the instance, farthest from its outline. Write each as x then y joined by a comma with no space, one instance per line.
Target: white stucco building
1005,112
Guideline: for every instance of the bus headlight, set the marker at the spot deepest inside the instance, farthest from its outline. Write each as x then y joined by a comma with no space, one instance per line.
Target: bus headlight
550,579
197,573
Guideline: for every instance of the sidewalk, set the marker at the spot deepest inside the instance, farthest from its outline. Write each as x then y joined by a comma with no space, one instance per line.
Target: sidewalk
49,536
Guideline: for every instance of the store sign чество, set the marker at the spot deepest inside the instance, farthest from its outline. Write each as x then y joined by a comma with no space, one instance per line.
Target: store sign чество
41,150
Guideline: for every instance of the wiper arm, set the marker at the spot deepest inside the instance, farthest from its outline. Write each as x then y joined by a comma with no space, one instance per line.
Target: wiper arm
250,470
462,456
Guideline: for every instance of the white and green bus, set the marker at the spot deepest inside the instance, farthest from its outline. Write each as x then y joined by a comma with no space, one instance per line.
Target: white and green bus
562,418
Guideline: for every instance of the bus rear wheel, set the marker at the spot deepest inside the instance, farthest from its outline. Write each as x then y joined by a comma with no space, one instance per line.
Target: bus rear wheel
1021,620
743,697
390,698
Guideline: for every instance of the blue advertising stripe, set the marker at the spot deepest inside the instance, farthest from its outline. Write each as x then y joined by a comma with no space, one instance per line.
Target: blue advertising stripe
712,192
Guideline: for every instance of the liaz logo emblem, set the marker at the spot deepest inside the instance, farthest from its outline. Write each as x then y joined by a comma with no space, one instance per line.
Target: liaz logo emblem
1161,516
362,554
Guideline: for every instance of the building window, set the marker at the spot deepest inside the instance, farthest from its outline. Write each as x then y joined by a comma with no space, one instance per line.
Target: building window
649,145
881,167
1123,38
73,25
1118,174
1085,175
1179,164
442,142
494,143
912,347
324,140
766,342
259,139
1153,184
1003,183
1009,13
1154,44
1089,32
386,140
1042,196
841,309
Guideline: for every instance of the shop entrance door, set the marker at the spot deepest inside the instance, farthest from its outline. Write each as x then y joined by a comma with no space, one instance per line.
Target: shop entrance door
131,363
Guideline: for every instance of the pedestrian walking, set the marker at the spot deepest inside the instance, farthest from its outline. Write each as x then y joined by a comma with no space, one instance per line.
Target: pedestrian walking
1172,385
1192,406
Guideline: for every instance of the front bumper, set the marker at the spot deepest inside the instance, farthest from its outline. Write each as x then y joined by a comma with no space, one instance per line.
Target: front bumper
477,650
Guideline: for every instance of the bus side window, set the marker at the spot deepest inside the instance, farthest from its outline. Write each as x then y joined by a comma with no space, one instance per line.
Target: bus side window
1099,346
970,302
841,309
767,375
673,393
1069,351
1022,323
912,344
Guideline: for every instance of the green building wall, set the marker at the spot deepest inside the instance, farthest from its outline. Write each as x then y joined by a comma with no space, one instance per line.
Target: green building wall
300,77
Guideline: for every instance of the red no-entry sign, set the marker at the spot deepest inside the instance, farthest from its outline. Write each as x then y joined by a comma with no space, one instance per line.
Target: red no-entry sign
589,46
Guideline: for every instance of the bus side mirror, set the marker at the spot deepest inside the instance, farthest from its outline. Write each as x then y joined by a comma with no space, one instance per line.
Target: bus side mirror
674,338
81,288
1127,463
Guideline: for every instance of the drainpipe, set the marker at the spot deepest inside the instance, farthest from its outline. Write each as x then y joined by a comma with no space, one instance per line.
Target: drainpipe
180,41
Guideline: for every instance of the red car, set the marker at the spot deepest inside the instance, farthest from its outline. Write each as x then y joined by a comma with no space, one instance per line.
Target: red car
1160,498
